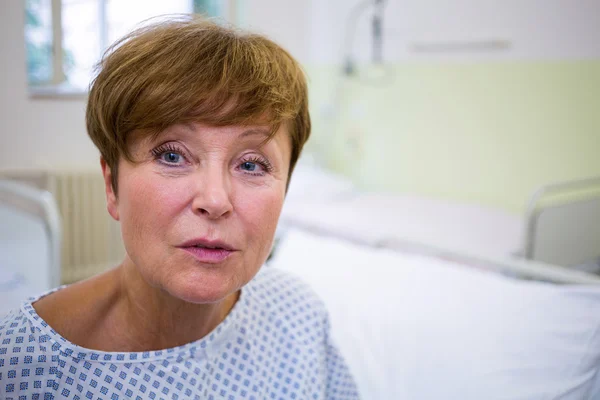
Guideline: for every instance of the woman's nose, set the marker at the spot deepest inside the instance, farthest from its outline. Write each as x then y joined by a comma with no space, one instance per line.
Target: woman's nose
212,197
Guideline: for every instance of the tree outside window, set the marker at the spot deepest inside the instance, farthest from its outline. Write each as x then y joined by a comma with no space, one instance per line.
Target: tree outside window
66,38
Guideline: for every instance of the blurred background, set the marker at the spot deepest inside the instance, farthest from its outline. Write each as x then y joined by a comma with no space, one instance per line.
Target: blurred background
472,101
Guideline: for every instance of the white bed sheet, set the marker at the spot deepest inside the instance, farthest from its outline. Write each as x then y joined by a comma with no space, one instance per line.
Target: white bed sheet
415,327
24,257
383,219
14,288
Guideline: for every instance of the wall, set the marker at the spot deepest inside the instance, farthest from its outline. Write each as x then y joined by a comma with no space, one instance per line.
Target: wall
35,132
532,29
480,132
481,124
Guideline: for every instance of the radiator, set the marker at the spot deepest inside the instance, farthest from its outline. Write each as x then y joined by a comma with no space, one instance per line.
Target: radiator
91,240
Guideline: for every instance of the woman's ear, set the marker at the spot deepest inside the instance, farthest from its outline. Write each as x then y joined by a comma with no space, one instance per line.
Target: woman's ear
112,204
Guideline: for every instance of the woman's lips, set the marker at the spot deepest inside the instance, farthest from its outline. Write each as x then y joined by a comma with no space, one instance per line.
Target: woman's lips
206,255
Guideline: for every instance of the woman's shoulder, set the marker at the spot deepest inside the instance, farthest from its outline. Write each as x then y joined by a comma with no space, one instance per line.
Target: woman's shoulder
18,323
277,283
44,318
18,338
11,324
285,295
74,312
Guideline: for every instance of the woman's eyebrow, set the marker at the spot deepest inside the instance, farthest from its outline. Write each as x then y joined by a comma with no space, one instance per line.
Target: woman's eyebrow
255,132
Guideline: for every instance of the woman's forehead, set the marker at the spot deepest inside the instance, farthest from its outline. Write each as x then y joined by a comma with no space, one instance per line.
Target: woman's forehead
198,132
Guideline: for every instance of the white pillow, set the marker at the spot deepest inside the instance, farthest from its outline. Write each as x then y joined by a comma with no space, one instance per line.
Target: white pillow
387,219
414,327
314,183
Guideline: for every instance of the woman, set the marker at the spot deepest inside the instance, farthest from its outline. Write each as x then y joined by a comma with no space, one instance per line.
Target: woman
199,128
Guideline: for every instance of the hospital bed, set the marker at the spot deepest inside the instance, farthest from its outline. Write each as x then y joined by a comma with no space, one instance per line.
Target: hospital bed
561,225
440,300
30,242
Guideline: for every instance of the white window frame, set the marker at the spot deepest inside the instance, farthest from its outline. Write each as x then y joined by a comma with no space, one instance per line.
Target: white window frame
56,86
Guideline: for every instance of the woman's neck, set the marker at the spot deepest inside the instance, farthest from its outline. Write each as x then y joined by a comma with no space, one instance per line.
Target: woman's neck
119,311
159,320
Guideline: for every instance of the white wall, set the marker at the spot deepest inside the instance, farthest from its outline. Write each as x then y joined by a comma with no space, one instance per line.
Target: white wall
35,132
289,23
533,29
44,132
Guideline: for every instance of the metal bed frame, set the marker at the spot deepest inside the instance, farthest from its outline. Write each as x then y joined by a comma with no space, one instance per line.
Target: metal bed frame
507,265
578,239
542,255
40,204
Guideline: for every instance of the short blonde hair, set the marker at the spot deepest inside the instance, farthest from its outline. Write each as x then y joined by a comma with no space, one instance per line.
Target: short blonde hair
189,69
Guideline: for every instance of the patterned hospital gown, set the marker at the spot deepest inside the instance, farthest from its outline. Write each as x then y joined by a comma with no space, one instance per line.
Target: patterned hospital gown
274,344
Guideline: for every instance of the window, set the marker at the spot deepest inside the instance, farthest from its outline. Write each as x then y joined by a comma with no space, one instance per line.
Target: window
66,38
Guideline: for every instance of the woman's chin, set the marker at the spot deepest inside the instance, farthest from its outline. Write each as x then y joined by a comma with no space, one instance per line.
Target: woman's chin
201,291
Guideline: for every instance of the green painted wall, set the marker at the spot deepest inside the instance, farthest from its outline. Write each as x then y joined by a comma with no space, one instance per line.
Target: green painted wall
488,133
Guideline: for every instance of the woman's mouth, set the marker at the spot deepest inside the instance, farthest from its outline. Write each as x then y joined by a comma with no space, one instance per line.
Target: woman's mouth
208,255
208,251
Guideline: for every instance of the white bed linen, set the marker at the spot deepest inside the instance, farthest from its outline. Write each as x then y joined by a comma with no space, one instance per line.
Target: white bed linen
311,182
329,203
414,327
14,289
24,257
384,219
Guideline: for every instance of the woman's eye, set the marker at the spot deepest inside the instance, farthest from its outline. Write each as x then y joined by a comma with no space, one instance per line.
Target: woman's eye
170,157
249,166
255,167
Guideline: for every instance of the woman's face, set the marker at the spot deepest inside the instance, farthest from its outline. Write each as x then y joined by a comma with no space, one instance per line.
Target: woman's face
199,208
